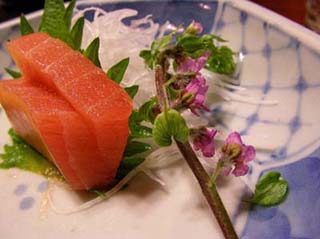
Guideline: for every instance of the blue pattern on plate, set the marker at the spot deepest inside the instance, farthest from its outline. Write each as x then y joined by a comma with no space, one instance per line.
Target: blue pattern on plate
27,203
299,215
177,12
20,189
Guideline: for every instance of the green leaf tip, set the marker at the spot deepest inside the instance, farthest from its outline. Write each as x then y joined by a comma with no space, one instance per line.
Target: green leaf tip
13,73
92,52
25,26
132,90
77,32
68,13
167,125
116,72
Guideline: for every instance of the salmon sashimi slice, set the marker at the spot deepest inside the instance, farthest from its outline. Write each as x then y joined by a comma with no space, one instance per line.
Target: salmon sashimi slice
103,104
52,126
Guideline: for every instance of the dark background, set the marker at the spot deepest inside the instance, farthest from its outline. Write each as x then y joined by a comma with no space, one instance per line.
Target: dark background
293,9
13,8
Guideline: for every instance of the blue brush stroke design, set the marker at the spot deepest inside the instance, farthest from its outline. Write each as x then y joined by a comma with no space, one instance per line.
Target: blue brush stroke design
299,215
20,189
27,203
177,12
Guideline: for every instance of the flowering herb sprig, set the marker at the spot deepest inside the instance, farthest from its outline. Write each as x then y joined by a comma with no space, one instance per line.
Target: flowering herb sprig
177,60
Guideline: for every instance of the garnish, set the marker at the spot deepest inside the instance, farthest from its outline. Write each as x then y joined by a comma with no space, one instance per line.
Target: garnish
181,86
20,155
14,74
92,52
117,71
56,21
25,27
271,189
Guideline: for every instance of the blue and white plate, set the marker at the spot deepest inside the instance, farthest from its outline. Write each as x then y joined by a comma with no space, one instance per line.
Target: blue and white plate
280,63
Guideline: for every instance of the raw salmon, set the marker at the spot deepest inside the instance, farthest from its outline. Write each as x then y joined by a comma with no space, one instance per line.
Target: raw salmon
102,106
44,120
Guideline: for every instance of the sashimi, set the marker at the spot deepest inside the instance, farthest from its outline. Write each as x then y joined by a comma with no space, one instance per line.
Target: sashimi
104,105
40,116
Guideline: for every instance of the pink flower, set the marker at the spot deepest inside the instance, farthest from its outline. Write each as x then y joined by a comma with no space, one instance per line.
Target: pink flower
236,155
203,140
197,88
193,65
194,28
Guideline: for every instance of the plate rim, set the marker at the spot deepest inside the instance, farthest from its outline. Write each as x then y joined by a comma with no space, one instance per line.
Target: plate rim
303,34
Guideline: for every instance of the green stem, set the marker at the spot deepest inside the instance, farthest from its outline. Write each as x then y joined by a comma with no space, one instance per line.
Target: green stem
210,193
215,174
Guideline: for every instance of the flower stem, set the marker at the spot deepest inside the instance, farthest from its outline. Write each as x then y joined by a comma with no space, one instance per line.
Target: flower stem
210,193
215,174
159,80
208,189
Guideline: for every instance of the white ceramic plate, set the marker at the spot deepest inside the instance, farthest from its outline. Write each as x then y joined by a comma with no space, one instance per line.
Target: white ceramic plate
281,61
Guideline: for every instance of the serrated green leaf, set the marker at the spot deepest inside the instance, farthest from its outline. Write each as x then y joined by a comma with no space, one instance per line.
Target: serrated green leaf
167,125
132,90
136,129
25,27
136,147
68,13
14,74
221,61
161,43
76,33
53,21
126,165
190,43
270,190
146,110
116,72
92,52
147,56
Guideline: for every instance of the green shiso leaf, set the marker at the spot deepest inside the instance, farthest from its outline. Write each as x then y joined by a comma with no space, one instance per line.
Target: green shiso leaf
92,52
13,73
116,72
25,27
76,33
20,155
53,21
132,90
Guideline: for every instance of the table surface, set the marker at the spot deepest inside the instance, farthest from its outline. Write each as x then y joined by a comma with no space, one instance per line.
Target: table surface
292,9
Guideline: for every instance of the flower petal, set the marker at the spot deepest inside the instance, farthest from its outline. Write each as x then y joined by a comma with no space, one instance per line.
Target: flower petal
248,153
240,169
234,137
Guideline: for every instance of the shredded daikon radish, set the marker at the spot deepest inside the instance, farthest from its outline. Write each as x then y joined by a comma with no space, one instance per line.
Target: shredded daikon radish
157,159
120,41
